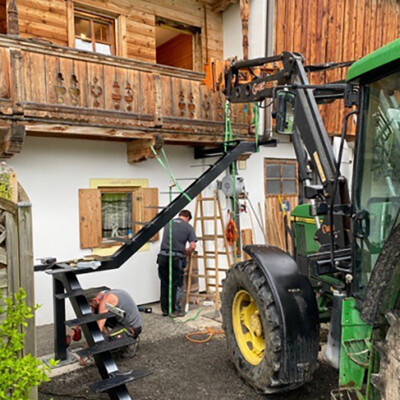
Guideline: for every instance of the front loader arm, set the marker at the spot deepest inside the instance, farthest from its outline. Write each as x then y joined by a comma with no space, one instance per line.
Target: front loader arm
309,125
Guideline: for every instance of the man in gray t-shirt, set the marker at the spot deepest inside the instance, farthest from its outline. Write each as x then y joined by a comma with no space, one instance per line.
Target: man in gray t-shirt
125,322
182,233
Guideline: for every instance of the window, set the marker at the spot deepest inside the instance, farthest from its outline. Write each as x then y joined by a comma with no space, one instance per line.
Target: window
108,213
280,177
94,32
116,213
178,45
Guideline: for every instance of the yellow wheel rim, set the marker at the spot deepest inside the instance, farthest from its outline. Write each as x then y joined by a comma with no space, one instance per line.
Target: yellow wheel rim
248,328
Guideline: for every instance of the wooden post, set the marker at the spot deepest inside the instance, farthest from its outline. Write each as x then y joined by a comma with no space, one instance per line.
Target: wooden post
158,95
26,277
17,83
26,269
12,252
12,18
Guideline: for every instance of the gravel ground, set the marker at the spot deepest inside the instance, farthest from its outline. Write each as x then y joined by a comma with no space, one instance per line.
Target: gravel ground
181,370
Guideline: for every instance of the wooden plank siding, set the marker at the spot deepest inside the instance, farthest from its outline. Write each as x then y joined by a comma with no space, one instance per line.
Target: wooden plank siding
47,20
341,30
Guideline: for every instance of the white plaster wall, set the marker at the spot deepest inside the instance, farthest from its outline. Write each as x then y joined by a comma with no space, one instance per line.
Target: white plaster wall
52,171
232,30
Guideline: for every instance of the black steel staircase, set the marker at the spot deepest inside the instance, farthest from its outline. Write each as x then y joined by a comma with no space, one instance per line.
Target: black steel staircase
66,284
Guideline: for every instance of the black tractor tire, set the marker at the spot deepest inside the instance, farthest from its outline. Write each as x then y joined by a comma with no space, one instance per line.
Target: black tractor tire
263,377
386,381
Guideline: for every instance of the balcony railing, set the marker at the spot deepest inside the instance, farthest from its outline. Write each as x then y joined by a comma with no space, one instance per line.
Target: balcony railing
59,91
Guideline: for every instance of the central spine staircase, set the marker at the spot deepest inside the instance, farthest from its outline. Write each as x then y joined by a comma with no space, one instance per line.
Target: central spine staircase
67,286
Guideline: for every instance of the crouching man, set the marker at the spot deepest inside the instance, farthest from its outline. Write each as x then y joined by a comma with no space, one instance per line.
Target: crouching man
126,321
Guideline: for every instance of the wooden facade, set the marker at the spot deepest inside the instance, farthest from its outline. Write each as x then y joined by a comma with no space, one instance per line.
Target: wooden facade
49,88
342,30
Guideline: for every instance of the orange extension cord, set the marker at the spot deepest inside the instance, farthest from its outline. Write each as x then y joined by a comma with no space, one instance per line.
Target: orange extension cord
207,334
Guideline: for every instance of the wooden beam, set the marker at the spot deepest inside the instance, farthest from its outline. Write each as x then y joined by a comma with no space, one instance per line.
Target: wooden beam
222,5
139,149
124,135
11,140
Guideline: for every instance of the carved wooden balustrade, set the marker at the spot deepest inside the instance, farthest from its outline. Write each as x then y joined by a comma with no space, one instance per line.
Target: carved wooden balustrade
57,91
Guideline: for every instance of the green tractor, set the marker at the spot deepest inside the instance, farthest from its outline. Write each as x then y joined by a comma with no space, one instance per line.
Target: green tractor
346,264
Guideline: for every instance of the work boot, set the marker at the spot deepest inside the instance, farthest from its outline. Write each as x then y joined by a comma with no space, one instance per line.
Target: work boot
178,314
129,351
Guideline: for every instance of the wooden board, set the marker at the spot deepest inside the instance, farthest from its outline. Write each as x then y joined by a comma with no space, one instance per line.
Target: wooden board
47,19
90,218
342,30
247,238
149,199
275,228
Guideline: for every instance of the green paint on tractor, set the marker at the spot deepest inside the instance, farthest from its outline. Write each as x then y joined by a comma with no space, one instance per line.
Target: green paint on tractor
304,230
376,59
355,351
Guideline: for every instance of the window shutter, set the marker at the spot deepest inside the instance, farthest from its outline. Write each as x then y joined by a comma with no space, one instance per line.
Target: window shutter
144,207
90,218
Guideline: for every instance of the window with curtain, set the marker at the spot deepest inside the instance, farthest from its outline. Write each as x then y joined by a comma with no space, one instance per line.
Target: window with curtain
94,32
116,214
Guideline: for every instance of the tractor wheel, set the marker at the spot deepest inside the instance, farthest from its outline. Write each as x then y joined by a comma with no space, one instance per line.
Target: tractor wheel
387,380
252,327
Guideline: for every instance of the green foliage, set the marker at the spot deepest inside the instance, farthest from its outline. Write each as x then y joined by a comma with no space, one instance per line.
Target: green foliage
5,181
18,374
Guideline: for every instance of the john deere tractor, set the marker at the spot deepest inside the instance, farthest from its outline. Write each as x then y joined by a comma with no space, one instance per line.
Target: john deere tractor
346,262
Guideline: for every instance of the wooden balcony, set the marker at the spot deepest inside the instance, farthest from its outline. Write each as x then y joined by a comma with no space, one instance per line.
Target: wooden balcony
55,91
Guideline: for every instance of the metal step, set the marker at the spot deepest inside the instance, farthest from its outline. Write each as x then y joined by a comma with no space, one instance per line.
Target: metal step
89,318
81,292
345,394
118,379
104,345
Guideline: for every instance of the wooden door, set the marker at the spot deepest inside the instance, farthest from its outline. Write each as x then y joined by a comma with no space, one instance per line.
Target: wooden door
281,196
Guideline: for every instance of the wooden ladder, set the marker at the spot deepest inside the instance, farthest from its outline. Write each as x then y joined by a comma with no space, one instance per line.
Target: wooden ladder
209,256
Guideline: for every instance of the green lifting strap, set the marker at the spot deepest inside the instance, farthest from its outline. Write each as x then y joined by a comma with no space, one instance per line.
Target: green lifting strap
170,259
229,137
256,121
234,204
228,125
165,164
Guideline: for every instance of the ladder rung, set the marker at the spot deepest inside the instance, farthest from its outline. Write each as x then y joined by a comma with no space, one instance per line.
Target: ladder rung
207,199
81,292
224,253
210,237
219,269
118,379
208,218
89,318
197,276
203,276
104,346
204,256
214,285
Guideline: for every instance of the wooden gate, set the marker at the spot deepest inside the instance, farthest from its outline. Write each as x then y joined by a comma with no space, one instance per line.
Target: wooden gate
281,196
